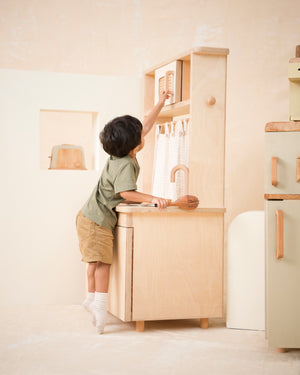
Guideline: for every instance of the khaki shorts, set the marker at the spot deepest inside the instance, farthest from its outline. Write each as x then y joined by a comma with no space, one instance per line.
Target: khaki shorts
95,242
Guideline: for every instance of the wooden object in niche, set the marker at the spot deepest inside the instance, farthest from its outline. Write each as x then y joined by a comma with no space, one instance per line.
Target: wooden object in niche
67,157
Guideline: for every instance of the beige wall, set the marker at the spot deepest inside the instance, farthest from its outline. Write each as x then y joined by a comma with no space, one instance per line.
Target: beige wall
119,37
39,254
125,37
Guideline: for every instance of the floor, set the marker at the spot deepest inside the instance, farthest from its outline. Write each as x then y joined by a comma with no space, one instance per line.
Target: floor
50,340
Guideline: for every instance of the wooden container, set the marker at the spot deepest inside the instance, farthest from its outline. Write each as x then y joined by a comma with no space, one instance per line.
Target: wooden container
67,157
168,77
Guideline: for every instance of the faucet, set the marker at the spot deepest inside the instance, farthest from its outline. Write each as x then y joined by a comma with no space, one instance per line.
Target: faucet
186,171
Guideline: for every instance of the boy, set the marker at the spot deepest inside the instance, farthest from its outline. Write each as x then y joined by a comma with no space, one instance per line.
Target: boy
121,138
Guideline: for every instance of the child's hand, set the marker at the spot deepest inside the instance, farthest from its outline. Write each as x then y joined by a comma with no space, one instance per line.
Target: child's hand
161,202
164,95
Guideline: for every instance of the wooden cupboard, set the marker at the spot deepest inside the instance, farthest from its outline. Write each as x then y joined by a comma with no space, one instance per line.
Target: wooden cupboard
169,264
282,209
283,274
203,79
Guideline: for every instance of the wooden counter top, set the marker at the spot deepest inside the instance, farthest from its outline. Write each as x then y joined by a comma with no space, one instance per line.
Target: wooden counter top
129,209
283,126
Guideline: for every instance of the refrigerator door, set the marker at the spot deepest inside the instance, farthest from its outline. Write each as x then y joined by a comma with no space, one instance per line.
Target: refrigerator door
282,174
283,273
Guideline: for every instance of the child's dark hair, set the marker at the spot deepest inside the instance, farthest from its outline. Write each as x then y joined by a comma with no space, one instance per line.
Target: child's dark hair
121,135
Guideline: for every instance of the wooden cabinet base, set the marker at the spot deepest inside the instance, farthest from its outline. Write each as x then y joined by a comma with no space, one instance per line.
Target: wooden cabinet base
186,242
140,326
204,323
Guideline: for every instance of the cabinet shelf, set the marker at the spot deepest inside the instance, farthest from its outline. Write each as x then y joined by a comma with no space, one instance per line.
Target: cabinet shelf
176,109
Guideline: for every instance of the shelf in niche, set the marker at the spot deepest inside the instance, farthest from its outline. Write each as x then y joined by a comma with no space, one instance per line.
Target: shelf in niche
176,109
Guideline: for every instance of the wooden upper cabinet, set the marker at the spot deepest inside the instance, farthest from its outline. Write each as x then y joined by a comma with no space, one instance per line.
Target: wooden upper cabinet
204,103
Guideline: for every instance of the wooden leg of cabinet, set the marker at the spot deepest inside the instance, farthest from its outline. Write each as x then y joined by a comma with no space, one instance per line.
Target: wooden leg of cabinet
140,326
204,323
281,350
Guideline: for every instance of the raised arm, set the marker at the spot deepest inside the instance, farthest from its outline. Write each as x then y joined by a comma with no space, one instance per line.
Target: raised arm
150,119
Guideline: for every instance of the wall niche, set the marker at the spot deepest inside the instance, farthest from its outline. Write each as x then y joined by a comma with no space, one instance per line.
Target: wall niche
59,127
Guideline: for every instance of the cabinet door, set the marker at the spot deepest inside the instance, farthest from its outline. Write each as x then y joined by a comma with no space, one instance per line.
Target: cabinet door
285,171
207,132
283,274
119,302
177,266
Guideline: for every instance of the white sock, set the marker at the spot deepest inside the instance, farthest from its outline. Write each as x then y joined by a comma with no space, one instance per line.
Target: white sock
99,309
88,301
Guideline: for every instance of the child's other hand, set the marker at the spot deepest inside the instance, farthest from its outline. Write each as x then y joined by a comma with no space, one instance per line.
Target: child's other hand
161,202
164,95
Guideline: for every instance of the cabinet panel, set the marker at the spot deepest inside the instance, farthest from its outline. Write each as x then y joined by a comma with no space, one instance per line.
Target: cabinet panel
207,133
285,146
177,266
283,275
119,302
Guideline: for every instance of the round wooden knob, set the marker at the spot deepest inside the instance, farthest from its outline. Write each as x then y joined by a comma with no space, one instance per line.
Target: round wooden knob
211,100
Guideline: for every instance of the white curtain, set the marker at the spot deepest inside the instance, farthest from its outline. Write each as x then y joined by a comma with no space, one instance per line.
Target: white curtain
171,149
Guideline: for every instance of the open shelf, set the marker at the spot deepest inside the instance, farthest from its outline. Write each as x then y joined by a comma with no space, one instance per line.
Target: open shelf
176,109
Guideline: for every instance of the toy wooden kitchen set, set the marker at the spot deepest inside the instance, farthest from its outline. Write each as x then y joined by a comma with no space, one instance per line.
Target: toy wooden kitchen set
168,264
282,209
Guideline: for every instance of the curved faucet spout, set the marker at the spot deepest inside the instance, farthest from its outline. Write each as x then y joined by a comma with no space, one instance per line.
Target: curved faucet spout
186,171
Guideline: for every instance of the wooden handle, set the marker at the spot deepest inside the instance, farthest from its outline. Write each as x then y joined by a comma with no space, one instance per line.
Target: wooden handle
279,221
211,100
169,81
298,169
274,171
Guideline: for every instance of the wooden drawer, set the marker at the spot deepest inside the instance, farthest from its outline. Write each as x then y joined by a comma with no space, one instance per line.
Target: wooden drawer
282,163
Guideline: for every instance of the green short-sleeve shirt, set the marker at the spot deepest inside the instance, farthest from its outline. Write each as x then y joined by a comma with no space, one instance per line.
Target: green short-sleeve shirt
119,174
